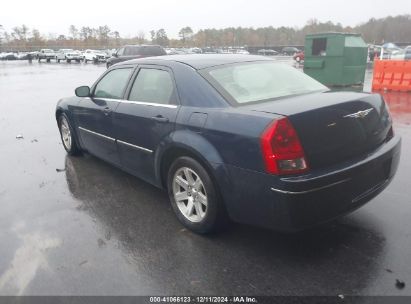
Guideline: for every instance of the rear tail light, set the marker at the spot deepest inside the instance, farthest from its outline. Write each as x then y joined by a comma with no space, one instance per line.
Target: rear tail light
282,150
390,133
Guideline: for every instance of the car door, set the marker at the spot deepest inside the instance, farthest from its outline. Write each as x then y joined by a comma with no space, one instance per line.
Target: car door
145,118
94,115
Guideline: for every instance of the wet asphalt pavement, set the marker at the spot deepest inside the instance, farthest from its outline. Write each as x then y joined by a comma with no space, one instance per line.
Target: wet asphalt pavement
94,230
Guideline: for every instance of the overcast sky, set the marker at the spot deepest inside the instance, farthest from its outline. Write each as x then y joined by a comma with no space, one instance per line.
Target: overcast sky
131,16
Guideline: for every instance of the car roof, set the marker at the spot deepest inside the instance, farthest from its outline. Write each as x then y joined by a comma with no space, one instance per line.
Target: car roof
141,45
199,61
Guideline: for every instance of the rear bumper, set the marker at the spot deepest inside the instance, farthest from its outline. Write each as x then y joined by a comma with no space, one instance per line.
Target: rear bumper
296,203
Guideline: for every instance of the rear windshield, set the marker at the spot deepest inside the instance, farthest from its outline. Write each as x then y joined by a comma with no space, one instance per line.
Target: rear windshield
259,81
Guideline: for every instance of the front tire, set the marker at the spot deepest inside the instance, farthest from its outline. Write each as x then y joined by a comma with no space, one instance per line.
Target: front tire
67,135
194,196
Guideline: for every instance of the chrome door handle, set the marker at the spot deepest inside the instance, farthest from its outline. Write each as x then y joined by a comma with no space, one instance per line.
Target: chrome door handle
160,118
107,111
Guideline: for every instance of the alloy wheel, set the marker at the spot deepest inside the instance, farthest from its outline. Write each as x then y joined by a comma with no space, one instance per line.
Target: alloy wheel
65,133
190,194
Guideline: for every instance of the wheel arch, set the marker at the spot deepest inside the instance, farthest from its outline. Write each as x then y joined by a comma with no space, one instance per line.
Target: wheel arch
60,110
216,171
191,144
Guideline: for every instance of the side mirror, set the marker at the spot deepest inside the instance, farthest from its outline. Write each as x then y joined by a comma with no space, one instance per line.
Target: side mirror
83,91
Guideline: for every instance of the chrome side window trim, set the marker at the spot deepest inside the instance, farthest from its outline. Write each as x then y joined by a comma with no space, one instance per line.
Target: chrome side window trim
97,134
139,102
311,190
150,104
134,146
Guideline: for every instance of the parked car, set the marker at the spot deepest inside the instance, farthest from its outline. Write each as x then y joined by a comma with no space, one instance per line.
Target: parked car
196,50
209,50
391,47
22,55
8,56
400,55
407,55
299,56
68,55
94,56
267,52
290,51
135,51
46,54
245,138
241,51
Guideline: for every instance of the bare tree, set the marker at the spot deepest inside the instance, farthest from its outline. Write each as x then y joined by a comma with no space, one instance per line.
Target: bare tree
186,33
161,37
153,35
73,32
141,37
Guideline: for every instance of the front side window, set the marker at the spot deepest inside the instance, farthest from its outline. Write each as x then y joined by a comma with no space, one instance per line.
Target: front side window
261,81
154,86
112,85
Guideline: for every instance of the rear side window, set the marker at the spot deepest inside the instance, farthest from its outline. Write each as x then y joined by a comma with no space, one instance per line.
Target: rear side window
154,86
132,50
112,85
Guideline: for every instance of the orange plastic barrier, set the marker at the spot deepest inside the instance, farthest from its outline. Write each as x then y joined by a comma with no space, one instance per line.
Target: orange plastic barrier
394,75
400,106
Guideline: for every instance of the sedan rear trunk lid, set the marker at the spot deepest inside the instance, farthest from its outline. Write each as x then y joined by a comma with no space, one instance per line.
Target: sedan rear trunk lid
334,126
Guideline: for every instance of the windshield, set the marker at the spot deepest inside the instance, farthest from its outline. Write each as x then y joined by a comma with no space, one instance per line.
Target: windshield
259,81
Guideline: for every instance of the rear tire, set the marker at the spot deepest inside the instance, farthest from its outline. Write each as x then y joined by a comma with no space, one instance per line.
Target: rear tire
67,135
194,196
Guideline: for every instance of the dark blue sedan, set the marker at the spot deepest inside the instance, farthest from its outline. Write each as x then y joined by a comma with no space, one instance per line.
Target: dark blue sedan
236,137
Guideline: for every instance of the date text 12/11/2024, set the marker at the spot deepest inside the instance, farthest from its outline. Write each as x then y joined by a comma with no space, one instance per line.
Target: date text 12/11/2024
203,299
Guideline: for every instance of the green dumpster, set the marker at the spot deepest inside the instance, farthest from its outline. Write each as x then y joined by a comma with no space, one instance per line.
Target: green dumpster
336,59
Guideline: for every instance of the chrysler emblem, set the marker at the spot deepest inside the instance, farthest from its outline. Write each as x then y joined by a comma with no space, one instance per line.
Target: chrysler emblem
359,114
